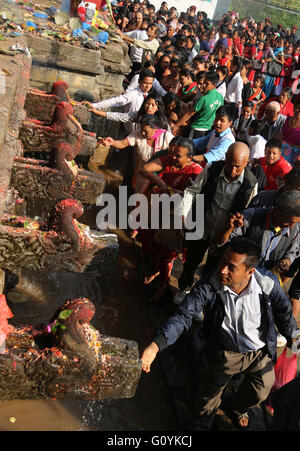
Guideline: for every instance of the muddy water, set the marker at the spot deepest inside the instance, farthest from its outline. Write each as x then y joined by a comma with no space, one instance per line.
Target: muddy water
121,311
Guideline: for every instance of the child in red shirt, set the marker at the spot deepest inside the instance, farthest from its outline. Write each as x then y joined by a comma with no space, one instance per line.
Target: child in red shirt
274,165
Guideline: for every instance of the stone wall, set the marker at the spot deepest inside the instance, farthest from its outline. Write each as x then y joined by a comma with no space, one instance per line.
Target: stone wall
100,72
13,89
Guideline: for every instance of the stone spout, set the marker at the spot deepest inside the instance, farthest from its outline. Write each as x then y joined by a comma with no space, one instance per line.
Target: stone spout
62,244
41,104
38,136
37,179
68,359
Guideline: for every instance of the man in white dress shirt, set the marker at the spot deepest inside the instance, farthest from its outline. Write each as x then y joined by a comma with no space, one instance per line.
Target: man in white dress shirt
149,46
130,100
136,53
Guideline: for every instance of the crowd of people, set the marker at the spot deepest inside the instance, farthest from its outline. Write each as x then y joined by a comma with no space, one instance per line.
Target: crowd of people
213,108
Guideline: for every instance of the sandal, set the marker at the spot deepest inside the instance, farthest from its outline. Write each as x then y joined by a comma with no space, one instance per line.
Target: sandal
242,421
238,419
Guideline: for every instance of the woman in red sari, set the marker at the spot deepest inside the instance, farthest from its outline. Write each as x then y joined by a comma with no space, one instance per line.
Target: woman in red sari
284,99
175,171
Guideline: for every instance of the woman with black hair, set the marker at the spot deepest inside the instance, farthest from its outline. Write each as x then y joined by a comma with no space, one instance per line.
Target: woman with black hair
234,83
175,109
188,89
171,82
175,172
163,67
147,140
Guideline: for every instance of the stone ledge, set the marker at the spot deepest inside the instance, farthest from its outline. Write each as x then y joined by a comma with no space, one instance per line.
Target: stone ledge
11,113
54,53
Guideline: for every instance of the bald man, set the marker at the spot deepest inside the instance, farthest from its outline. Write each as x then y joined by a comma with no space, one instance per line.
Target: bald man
273,120
228,186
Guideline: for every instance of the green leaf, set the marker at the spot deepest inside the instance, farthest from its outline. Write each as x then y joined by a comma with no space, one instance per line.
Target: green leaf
64,314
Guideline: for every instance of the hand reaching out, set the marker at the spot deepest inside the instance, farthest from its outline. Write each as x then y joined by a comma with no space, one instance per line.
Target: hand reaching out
283,265
108,141
236,220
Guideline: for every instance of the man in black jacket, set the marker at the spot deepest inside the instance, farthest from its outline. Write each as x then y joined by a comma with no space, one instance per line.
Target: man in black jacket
228,186
241,307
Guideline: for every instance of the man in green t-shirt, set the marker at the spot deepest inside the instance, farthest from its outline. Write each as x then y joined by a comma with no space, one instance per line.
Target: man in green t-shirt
202,115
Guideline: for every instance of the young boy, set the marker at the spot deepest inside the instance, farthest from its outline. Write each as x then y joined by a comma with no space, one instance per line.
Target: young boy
241,125
256,142
274,165
214,146
201,116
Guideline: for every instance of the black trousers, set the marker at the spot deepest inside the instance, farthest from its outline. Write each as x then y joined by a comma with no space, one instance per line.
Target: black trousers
195,253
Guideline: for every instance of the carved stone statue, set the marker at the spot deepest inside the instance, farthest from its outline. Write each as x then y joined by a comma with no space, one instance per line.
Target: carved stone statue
57,180
68,359
41,105
38,136
61,244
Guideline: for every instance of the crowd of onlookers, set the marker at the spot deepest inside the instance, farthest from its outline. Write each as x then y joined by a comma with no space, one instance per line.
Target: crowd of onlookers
213,109
200,96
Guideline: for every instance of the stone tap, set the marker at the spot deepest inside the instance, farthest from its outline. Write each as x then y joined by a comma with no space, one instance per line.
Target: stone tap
57,180
68,359
60,244
41,104
37,136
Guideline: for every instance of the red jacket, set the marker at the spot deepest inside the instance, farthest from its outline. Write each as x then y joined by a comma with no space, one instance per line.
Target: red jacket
275,172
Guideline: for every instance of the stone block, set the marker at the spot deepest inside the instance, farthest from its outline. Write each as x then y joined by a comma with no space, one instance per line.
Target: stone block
12,99
64,55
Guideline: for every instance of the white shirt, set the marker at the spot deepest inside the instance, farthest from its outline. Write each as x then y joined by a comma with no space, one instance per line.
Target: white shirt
144,150
222,89
241,328
131,100
192,55
234,89
257,145
156,85
136,53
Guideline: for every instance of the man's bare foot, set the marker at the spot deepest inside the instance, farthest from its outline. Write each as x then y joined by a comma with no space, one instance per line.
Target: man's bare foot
243,420
134,234
148,279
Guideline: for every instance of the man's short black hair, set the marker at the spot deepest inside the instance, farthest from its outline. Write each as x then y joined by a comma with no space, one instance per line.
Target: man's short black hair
257,126
213,77
274,142
227,110
288,204
146,73
241,246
